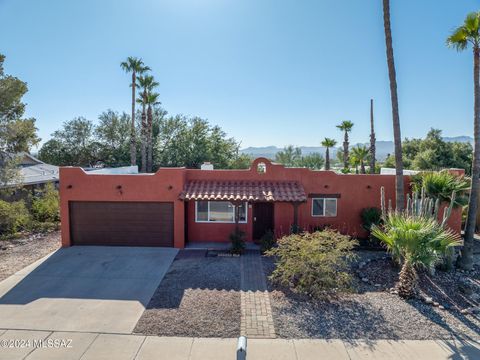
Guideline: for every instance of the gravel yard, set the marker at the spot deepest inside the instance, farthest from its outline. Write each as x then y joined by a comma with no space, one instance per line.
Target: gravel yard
368,313
15,254
199,296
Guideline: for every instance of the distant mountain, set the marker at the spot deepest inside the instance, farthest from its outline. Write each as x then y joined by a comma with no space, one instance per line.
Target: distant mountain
459,139
383,148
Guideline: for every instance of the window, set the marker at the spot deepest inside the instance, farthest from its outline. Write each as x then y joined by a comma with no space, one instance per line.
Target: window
324,207
219,211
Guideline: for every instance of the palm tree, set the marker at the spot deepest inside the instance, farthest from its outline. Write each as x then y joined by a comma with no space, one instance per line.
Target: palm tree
469,34
372,140
135,66
289,156
346,126
397,137
146,83
328,143
414,241
360,154
152,100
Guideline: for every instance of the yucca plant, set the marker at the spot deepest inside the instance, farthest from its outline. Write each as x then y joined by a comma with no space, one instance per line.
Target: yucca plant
415,237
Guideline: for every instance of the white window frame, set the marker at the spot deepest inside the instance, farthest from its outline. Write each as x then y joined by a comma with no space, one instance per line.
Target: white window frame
219,222
324,207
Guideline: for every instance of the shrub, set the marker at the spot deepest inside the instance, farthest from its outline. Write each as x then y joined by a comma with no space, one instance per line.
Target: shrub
267,241
315,264
45,208
237,238
371,216
14,217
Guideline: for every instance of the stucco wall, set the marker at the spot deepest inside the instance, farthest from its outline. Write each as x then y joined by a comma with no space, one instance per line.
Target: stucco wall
355,193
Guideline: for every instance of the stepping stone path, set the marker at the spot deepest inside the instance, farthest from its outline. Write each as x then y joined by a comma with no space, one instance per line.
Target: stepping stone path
256,319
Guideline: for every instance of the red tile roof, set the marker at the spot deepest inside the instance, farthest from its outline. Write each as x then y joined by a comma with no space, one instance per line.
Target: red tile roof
244,191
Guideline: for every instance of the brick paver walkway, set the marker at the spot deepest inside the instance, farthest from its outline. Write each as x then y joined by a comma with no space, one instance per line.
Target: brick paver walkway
256,320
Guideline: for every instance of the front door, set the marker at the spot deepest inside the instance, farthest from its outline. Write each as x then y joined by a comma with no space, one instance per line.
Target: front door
262,219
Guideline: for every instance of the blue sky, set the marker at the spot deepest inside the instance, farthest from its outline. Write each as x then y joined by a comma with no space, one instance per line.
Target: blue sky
268,72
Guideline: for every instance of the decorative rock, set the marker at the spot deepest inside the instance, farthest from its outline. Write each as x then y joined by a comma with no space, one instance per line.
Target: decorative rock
436,304
441,307
365,280
378,285
465,311
428,300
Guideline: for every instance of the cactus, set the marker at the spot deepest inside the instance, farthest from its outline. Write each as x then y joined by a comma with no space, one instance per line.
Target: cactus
419,206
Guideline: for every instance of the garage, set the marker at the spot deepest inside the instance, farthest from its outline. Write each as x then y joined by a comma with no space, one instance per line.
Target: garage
121,223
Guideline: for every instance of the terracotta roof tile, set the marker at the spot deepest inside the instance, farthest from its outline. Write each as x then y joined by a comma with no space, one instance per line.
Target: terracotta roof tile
244,191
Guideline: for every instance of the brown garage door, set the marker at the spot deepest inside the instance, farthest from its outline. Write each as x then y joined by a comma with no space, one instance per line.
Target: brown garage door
121,223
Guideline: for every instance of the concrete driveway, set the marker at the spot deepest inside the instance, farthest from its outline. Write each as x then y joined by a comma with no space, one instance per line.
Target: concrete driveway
84,288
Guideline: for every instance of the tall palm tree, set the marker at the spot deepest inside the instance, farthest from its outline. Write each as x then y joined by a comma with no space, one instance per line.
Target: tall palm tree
346,126
372,140
397,137
361,155
146,83
152,101
328,143
136,67
460,39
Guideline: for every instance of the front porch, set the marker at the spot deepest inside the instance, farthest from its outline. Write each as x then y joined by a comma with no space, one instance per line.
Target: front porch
213,209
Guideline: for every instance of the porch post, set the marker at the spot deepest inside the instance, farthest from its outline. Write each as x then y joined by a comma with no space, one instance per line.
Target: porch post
295,217
236,213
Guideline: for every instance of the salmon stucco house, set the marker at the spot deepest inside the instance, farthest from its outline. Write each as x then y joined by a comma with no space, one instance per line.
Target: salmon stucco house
176,206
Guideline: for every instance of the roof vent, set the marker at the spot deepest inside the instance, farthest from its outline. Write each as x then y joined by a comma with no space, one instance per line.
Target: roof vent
206,166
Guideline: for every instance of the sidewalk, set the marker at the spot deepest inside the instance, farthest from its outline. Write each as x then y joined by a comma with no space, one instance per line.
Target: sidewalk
89,346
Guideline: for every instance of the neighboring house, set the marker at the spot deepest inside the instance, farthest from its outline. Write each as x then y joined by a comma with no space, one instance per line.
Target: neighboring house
32,173
176,206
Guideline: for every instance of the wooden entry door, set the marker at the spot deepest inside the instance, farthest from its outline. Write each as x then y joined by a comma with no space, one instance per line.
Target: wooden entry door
262,219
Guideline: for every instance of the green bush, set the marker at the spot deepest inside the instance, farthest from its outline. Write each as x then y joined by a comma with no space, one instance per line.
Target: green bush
45,208
267,241
316,264
14,217
237,239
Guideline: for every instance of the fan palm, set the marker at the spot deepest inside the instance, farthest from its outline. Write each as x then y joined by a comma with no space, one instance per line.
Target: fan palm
361,154
441,185
146,83
152,101
397,137
460,39
328,143
346,126
416,242
136,67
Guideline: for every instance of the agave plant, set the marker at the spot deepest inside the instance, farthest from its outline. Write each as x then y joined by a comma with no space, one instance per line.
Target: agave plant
415,237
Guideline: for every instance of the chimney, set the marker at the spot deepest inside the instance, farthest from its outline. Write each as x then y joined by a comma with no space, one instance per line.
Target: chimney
206,166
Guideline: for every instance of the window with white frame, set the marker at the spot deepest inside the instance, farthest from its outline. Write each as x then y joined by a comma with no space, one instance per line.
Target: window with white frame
324,207
219,212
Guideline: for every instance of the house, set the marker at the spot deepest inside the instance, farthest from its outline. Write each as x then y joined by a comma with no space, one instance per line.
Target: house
32,174
177,206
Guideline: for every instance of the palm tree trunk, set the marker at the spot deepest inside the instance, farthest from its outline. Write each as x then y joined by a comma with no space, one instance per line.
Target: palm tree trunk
149,139
372,140
399,194
327,159
144,136
345,152
362,167
407,281
466,259
133,143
